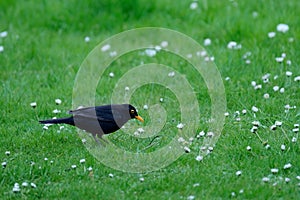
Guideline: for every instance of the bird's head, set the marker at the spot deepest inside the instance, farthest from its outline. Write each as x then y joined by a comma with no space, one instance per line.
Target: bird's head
133,114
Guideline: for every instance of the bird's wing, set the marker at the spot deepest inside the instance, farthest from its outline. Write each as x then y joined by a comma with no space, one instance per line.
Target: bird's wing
91,113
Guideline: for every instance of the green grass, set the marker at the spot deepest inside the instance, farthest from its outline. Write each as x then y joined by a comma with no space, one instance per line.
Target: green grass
43,52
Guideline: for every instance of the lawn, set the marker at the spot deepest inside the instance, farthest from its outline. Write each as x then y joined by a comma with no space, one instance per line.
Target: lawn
254,45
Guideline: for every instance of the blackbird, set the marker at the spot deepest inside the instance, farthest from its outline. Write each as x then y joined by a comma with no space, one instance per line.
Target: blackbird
99,120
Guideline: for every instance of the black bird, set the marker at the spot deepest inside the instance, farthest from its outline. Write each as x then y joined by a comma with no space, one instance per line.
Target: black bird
99,120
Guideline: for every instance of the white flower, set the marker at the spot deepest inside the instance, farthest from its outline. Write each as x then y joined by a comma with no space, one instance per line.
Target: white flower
288,62
33,185
281,90
238,173
232,45
207,42
187,149
191,197
287,180
33,104
7,153
90,169
296,125
253,83
193,5
274,170
142,179
267,146
56,111
227,78
181,139
248,148
265,179
276,88
295,130
140,130
16,188
87,39
110,175
271,34
226,114
126,88
257,87
278,123
73,166
254,109
3,164
288,73
282,147
150,52
297,78
244,111
210,134
279,59
287,166
196,184
273,127
111,74
1,48
266,96
112,53
282,28
199,158
145,107
3,34
161,99
164,44
58,101
180,125
105,47
294,139
82,160
201,134
24,184
171,74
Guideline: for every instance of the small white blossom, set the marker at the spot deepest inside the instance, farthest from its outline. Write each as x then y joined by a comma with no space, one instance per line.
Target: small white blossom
145,107
90,169
87,39
273,127
142,179
33,185
180,125
287,180
3,164
282,28
295,130
248,148
187,149
297,78
111,74
271,34
150,52
3,34
253,83
279,59
1,48
73,166
161,99
7,153
199,158
126,88
24,184
266,96
171,74
287,166
56,111
210,134
276,88
227,78
274,170
296,125
278,123
226,114
164,44
282,147
294,139
16,188
265,179
110,175
254,109
232,45
193,5
257,87
207,42
181,139
238,173
82,160
267,146
288,73
105,47
33,104
281,90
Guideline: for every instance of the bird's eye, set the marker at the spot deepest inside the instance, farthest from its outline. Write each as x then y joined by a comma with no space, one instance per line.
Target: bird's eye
132,111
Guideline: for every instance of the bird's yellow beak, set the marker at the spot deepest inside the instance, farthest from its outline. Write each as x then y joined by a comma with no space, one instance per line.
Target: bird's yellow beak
139,118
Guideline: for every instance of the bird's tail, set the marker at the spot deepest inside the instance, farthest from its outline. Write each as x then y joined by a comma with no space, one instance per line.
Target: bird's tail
68,120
